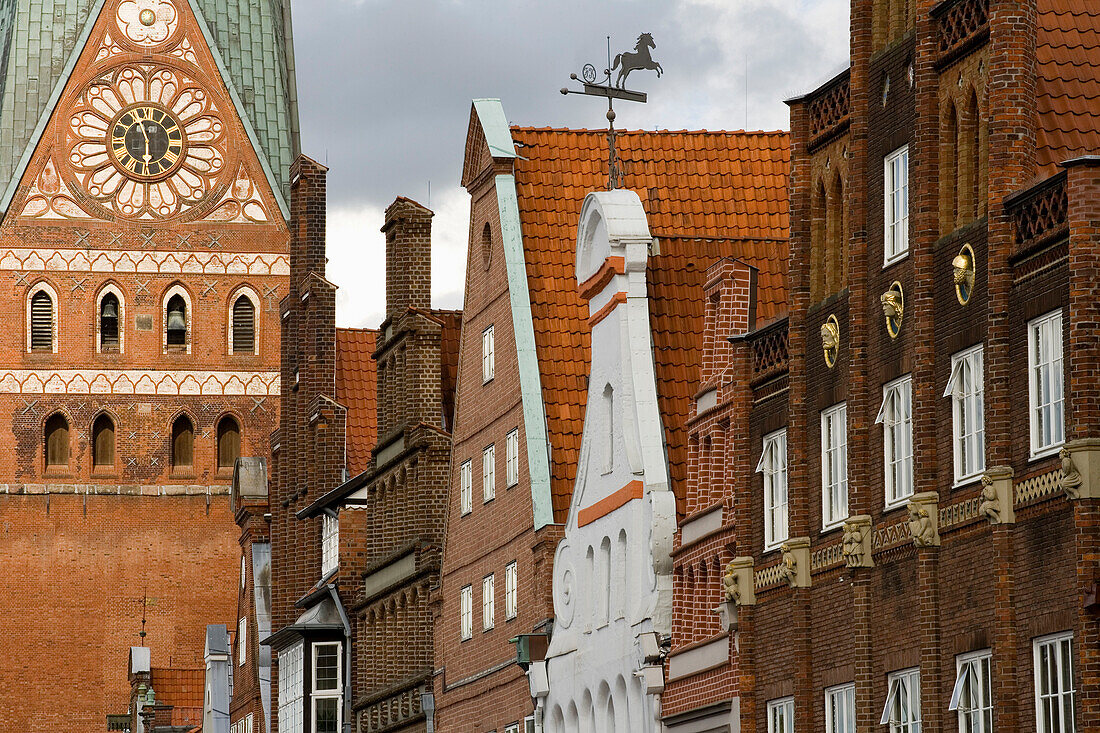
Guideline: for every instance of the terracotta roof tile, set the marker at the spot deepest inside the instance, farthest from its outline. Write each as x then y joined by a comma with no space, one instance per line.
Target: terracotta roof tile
722,192
452,332
1068,55
357,391
181,688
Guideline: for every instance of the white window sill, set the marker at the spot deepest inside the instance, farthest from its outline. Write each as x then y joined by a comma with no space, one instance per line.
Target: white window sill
895,259
898,504
968,479
775,546
839,524
1046,452
467,512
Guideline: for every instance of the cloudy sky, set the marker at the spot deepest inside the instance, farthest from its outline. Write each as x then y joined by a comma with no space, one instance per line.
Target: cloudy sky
384,89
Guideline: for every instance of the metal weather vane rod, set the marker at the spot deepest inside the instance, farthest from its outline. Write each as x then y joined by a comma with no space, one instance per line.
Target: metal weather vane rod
625,62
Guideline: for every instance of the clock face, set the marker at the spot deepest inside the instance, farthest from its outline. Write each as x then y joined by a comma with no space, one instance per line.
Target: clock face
147,142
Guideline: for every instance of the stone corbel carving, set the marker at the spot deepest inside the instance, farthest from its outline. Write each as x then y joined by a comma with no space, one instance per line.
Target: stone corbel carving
924,519
997,496
738,589
857,542
795,566
1080,477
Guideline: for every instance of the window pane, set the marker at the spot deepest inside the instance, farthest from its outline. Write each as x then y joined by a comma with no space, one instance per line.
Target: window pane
327,672
327,714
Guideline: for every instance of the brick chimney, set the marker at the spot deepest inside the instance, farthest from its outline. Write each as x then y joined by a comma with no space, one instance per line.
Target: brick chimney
307,216
408,231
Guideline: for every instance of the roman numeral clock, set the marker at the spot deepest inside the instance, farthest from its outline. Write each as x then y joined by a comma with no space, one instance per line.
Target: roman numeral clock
146,136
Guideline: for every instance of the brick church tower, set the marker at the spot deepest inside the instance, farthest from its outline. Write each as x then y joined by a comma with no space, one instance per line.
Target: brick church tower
144,168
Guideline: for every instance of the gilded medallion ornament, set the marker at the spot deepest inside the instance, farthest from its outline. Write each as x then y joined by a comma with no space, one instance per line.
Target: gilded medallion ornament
830,340
893,307
963,274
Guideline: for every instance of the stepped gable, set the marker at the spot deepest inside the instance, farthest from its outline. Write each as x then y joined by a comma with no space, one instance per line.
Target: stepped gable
357,390
694,186
1068,58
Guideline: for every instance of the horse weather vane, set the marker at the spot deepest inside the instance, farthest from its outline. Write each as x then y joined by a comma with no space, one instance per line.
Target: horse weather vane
625,62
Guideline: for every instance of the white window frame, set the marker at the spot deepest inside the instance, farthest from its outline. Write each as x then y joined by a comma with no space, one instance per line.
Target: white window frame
489,473
966,388
330,543
511,458
1044,360
256,311
834,466
242,640
1061,646
46,287
488,602
466,613
773,466
781,715
973,670
840,708
488,355
110,289
511,590
896,418
317,694
903,682
895,211
248,723
466,487
291,692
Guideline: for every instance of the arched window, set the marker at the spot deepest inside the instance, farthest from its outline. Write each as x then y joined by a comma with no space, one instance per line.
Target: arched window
229,442
42,321
244,326
109,315
103,442
175,320
949,170
57,441
836,243
183,443
818,231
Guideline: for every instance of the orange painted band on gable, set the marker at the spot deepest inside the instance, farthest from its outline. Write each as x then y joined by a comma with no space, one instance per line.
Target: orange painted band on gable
605,506
604,312
611,267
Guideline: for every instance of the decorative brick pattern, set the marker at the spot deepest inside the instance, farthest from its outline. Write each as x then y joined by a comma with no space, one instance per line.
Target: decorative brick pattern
960,24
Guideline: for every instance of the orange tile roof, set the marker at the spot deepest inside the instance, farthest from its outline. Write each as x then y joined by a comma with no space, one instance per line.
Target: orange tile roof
694,186
1068,55
356,389
181,688
448,356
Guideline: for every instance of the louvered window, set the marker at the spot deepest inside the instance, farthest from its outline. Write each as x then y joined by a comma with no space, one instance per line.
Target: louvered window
183,443
103,441
108,323
244,326
57,441
41,321
229,442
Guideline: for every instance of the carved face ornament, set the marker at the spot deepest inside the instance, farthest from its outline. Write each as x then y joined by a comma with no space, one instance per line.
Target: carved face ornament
830,340
962,267
893,307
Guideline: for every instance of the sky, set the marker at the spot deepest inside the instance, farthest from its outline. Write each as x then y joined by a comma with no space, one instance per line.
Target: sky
385,86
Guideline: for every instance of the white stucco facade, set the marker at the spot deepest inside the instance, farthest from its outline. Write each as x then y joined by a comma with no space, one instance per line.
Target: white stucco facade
612,581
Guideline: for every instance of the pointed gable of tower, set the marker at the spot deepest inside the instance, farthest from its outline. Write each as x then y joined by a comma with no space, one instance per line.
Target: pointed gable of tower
200,160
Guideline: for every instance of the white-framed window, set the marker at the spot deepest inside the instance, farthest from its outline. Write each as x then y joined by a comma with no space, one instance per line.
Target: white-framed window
488,356
248,723
330,543
1046,382
840,709
290,689
1054,692
773,465
511,458
896,417
834,466
902,709
781,715
489,472
488,602
242,571
242,640
466,488
972,697
325,712
896,205
511,728
966,389
42,320
466,612
511,590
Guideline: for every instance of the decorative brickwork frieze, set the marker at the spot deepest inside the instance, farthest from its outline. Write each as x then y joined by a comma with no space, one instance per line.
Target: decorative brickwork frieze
1040,215
960,25
829,111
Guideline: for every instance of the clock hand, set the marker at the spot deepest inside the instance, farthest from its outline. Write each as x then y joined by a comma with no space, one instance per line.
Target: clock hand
147,157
